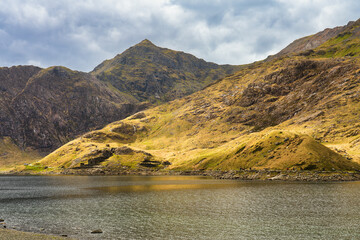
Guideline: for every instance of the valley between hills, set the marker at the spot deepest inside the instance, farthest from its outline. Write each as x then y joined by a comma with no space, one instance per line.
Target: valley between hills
152,110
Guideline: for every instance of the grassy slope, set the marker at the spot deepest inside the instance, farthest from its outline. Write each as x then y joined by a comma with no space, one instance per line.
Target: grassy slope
299,111
212,129
346,43
11,155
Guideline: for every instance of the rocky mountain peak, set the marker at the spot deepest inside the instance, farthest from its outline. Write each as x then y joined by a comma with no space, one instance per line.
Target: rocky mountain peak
155,74
145,42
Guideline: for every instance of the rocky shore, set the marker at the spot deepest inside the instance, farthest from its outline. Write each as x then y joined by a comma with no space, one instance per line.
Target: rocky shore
303,176
266,175
10,234
15,234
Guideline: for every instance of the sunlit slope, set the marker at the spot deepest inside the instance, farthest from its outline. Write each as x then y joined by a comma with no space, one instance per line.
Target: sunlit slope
293,112
331,42
11,155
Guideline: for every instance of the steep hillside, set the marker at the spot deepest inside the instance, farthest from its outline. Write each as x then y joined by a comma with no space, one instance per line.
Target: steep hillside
58,103
151,73
12,82
308,43
14,79
41,109
296,112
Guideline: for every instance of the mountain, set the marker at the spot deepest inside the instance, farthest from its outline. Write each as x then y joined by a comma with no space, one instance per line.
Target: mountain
12,81
57,103
151,73
298,110
42,109
45,108
307,44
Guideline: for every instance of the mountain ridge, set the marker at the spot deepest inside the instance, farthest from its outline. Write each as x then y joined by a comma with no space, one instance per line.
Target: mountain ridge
311,42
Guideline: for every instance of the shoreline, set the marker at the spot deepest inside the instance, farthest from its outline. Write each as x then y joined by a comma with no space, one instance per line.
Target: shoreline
265,175
14,234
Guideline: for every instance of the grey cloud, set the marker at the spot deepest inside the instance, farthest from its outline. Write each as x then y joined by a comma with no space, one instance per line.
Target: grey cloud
80,34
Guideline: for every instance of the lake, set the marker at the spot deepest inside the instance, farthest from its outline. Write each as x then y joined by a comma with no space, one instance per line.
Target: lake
179,207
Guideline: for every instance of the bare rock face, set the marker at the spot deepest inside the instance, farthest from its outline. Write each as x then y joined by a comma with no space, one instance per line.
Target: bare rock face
12,81
56,104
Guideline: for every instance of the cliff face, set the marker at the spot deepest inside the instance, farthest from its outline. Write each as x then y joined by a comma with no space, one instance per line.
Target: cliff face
12,81
151,73
56,104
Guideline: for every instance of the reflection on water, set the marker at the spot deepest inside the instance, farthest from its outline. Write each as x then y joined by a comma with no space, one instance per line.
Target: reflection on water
176,207
166,183
160,187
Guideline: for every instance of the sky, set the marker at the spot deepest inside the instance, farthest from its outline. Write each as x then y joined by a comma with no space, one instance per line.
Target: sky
81,34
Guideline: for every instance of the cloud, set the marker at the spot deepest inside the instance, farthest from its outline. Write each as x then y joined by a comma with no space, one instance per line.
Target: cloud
81,34
33,62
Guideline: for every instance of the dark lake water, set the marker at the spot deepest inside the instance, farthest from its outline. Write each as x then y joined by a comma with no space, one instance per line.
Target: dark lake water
180,208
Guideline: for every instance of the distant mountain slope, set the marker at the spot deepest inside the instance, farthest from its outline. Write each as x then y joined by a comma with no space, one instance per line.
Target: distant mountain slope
42,109
151,73
57,104
299,111
12,81
313,41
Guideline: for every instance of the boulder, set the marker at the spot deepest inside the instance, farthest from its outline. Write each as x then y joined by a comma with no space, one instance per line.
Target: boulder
122,150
